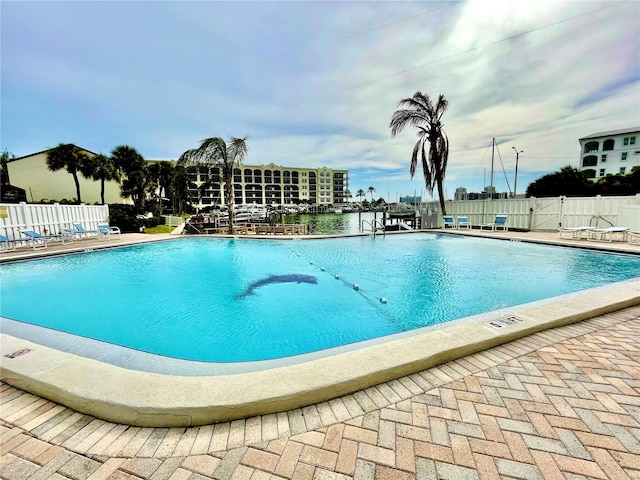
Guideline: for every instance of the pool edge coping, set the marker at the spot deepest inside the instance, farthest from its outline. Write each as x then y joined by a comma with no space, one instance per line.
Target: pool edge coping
146,399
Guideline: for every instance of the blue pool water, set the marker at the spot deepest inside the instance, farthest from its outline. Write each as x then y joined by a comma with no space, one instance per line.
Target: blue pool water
188,298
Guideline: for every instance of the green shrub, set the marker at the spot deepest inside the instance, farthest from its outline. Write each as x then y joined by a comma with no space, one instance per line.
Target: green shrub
124,217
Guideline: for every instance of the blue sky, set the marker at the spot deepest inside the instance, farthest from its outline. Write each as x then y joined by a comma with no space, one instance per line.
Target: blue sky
315,83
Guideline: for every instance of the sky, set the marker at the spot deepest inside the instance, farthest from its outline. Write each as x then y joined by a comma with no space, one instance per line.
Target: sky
315,83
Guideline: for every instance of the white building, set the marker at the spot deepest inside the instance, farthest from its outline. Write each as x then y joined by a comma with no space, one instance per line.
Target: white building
610,153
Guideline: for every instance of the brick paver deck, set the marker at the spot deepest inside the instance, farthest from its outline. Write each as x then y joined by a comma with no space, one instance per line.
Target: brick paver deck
560,404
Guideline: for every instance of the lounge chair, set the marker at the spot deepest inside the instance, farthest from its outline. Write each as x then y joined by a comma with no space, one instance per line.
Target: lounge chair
40,241
463,222
7,244
576,233
447,221
105,231
499,222
79,231
633,237
610,234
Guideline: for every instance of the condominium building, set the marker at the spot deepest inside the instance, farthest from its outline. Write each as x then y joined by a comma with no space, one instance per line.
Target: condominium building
271,185
610,153
263,185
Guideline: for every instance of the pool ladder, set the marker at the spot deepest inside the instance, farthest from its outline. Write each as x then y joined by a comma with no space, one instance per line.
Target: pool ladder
374,226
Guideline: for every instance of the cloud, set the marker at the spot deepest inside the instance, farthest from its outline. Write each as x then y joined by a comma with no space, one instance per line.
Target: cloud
315,83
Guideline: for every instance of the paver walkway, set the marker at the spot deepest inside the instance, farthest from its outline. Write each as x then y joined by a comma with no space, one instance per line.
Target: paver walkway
560,404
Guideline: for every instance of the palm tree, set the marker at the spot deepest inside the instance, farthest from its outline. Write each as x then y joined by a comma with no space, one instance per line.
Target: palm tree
137,183
103,169
360,193
215,151
419,111
371,190
71,158
127,159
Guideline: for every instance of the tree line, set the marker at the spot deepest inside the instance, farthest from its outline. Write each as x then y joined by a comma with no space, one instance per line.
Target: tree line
571,182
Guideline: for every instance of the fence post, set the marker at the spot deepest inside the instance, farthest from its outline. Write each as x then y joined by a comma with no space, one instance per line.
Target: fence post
25,212
56,209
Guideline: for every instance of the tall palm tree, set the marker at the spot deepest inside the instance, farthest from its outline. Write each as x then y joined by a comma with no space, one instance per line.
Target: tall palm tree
71,158
215,151
137,183
103,169
371,190
419,111
360,193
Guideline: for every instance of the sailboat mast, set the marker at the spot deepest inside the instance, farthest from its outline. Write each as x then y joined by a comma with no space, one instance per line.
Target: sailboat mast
493,144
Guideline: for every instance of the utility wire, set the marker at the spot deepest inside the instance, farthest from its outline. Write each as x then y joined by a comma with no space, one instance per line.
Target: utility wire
479,47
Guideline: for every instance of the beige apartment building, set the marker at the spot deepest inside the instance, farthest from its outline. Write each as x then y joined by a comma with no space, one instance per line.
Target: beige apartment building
31,173
272,185
260,184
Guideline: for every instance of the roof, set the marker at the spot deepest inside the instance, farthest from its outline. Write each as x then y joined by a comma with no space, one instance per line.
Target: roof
47,150
612,132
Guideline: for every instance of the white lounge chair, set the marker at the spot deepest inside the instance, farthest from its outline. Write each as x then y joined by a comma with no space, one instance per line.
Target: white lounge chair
40,241
105,231
633,237
447,221
610,234
79,231
576,233
463,222
501,221
7,244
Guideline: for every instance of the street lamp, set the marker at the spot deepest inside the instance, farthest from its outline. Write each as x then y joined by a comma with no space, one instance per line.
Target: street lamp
515,182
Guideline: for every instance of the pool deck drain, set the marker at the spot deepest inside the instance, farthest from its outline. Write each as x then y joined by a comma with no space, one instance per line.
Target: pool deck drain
562,403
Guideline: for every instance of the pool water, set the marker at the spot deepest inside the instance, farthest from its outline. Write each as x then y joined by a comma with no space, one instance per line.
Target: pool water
191,298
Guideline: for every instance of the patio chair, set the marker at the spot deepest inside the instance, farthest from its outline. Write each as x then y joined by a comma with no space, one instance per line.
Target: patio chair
8,244
577,233
38,240
447,221
79,231
499,222
610,234
633,237
463,222
105,231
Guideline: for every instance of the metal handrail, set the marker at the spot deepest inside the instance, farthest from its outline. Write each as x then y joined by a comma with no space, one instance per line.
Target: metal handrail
374,225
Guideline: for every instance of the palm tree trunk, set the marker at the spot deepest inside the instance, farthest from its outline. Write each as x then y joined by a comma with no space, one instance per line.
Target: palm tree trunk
441,195
228,190
102,190
75,179
440,186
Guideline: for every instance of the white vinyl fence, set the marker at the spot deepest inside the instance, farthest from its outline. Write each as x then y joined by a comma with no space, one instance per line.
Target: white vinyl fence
549,214
172,221
48,219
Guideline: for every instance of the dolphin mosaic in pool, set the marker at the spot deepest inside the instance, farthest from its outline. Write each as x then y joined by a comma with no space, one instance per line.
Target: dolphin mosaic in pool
291,278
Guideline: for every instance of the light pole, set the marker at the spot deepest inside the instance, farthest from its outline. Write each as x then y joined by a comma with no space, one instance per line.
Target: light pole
515,182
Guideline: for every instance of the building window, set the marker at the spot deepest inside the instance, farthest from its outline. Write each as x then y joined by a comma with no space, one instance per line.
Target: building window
623,157
629,141
602,172
591,147
608,144
589,173
623,170
589,161
603,159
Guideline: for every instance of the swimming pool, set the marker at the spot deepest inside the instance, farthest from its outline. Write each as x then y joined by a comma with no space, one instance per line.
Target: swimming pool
232,300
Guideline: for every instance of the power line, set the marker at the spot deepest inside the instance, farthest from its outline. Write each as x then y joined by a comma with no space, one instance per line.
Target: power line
385,25
511,37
